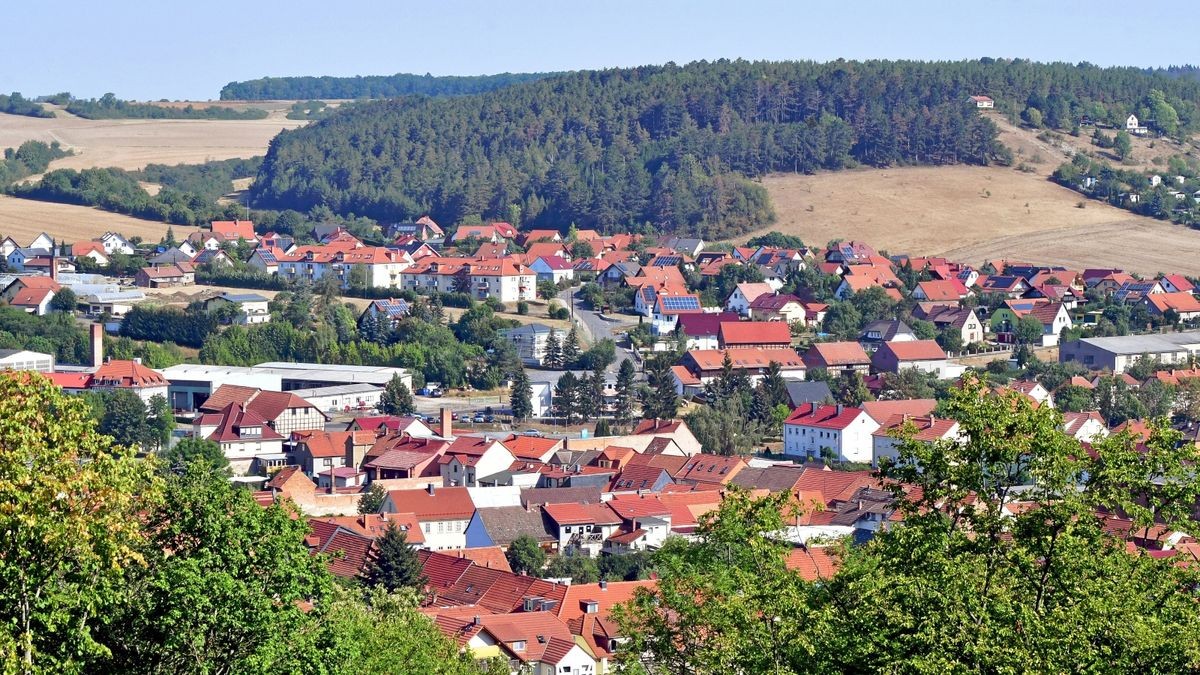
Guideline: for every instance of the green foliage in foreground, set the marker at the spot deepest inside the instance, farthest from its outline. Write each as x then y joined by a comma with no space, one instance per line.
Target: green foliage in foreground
108,565
963,585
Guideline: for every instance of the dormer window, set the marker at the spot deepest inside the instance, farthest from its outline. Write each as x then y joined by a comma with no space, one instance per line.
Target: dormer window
518,646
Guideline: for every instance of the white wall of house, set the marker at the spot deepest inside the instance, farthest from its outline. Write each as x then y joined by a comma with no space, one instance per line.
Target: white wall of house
852,444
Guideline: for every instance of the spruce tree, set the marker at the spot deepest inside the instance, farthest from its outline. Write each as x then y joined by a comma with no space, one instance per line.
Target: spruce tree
566,401
394,564
626,393
552,358
521,396
570,349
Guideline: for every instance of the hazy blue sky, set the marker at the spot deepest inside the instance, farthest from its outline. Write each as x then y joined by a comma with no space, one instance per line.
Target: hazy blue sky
182,49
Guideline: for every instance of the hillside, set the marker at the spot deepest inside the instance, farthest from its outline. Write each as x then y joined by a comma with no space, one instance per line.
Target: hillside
24,219
371,86
974,214
670,148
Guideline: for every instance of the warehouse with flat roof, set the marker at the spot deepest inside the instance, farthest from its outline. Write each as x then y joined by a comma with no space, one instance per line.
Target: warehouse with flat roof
1119,352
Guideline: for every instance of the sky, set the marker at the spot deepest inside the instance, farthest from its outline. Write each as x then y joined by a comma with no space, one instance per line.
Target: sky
189,50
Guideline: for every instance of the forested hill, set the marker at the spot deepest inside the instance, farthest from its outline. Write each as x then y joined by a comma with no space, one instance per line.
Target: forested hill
668,148
371,86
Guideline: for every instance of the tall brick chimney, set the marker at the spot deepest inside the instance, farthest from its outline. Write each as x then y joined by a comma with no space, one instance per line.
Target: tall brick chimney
446,427
97,335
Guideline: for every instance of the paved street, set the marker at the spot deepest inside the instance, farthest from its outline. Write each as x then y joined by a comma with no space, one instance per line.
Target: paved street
596,328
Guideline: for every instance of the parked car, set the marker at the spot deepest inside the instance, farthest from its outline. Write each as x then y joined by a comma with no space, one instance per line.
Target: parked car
465,419
532,432
489,418
478,419
435,393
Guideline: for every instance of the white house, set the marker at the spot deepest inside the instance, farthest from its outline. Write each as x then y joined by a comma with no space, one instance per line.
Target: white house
582,529
927,429
745,293
553,268
252,308
667,310
839,432
472,462
443,512
115,243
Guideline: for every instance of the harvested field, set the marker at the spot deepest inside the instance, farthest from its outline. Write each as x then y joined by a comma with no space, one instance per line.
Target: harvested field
132,144
24,219
974,214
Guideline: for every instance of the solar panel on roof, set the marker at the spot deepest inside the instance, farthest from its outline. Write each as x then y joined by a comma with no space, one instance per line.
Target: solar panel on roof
681,302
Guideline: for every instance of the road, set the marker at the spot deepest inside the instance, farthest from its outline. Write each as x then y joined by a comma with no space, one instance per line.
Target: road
598,328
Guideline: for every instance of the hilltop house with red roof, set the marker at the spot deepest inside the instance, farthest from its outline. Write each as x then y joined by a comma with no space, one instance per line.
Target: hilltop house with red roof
233,230
129,375
927,429
1175,283
950,290
839,432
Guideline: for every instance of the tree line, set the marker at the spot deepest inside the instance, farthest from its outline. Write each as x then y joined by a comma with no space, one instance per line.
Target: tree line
27,159
16,104
667,148
371,86
109,107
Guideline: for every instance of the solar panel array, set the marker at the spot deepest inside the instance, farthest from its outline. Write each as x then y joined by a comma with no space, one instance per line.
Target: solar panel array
267,256
680,302
667,261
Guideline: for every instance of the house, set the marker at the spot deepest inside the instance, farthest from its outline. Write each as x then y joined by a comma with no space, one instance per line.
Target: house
21,257
706,364
924,355
531,340
233,230
382,425
533,642
21,359
964,321
164,277
171,256
786,308
1133,126
318,451
861,277
885,330
838,432
243,435
115,243
534,236
646,522
983,102
582,529
501,525
1175,283
837,357
553,269
390,311
1053,316
749,334
669,307
1117,353
1009,286
92,250
31,293
1133,291
676,430
248,308
707,469
926,429
213,258
689,246
703,329
443,512
949,290
284,411
471,461
506,280
1084,426
1183,303
424,229
807,392
265,259
132,376
745,293
399,455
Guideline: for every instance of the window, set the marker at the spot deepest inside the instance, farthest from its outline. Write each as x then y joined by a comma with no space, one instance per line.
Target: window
518,646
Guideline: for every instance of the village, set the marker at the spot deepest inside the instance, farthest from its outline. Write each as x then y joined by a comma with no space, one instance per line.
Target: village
860,347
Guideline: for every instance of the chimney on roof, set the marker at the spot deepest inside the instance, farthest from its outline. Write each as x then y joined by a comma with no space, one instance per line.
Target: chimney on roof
97,339
840,408
446,426
475,621
430,488
604,584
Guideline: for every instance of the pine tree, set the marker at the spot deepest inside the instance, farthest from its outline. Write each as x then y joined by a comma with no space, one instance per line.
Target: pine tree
521,396
570,348
552,358
659,400
626,395
775,386
169,240
396,398
566,401
395,564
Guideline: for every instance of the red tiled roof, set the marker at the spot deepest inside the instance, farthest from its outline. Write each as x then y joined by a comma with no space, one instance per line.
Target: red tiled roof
441,570
880,411
70,380
704,324
745,357
837,354
30,297
1181,302
737,333
705,468
952,289
348,553
630,507
926,428
581,514
530,447
824,416
446,503
235,419
488,557
127,374
813,562
232,230
915,350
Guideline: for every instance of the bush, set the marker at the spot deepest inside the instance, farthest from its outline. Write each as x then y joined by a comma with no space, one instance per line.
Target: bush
522,308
